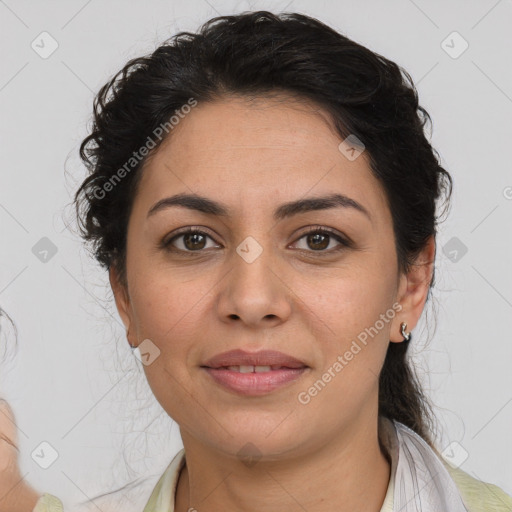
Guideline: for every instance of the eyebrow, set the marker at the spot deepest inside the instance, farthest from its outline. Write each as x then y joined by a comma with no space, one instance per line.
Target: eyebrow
210,207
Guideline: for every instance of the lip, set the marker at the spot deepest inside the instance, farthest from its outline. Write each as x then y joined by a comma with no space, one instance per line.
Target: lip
255,383
240,357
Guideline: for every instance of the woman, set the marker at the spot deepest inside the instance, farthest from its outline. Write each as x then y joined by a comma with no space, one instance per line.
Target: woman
264,198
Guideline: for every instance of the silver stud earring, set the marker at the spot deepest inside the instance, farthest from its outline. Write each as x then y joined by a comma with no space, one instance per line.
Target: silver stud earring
407,336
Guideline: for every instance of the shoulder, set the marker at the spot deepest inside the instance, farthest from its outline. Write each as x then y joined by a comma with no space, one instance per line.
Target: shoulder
48,503
479,496
163,496
160,500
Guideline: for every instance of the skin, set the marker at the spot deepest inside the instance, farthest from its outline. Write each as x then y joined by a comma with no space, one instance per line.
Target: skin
16,494
252,157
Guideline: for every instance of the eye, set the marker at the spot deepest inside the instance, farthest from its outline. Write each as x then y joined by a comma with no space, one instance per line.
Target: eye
191,240
319,238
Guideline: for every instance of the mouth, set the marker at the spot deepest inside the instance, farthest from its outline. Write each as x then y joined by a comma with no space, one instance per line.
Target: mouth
248,380
246,362
253,373
253,368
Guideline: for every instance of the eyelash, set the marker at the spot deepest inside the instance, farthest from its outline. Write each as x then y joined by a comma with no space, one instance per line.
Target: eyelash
344,243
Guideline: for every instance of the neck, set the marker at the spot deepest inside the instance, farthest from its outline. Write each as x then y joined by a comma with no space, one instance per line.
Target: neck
343,475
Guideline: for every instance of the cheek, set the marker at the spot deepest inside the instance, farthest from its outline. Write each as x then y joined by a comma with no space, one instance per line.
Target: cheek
167,314
352,314
164,306
350,299
352,338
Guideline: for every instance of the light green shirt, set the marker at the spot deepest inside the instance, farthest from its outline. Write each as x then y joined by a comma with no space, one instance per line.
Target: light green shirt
477,496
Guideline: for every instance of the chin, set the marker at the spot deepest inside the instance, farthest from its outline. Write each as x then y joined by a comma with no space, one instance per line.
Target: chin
253,444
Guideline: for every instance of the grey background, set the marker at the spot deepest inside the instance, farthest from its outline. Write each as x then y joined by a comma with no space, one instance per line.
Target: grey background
71,378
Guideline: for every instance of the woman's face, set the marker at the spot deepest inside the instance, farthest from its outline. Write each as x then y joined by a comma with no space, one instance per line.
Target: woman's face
255,280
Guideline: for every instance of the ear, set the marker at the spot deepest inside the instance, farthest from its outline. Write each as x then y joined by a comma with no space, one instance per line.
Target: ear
123,304
413,291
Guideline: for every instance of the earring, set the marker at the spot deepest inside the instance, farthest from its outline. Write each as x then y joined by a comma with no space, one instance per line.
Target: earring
407,336
132,347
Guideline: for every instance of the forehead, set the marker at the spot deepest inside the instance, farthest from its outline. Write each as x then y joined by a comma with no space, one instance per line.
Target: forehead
256,128
258,149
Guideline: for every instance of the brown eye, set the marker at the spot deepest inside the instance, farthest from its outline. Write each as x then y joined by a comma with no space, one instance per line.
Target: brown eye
194,241
319,239
191,240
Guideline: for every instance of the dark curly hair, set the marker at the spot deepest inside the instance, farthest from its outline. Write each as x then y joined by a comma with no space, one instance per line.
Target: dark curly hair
261,53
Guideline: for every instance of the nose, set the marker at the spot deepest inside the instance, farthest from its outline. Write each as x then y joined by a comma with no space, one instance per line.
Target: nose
255,291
